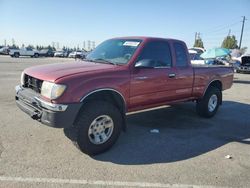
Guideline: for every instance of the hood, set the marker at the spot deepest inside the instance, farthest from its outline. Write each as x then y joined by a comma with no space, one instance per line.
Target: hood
52,72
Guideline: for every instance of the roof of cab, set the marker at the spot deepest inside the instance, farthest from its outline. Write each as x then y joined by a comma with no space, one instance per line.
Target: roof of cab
146,38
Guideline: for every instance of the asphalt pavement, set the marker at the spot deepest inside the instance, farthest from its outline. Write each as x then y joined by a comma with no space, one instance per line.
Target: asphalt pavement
188,151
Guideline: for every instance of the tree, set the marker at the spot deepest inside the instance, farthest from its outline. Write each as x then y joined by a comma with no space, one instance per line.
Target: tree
229,42
51,48
39,47
198,43
30,46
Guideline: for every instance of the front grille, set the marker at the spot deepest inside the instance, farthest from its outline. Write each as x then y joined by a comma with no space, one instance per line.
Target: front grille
33,83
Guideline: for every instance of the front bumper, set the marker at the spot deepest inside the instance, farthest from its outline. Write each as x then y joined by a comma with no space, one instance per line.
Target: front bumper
54,115
244,69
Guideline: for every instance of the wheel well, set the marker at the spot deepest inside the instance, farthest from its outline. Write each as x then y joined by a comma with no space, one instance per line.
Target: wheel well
109,96
216,84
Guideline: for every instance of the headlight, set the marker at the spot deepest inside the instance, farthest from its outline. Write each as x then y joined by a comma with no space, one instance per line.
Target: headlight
22,79
52,90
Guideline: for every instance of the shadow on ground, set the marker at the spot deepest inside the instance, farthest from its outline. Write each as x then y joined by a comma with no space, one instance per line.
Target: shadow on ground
241,81
183,134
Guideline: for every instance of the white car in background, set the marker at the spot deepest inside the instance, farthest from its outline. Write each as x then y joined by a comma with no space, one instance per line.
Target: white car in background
78,54
195,57
61,53
4,50
23,52
198,50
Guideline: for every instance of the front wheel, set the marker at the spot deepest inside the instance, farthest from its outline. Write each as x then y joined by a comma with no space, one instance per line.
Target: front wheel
209,104
99,126
36,55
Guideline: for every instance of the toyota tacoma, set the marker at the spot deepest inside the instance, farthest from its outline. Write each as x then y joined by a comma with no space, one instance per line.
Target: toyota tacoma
121,75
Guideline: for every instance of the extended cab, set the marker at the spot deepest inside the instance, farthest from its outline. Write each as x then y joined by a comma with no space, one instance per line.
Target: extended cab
23,52
121,75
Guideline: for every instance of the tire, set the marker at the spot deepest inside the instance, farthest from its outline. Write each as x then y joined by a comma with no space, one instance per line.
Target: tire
89,124
36,55
209,104
16,55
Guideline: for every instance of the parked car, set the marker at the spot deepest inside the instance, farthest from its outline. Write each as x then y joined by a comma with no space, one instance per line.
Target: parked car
23,52
46,53
198,50
245,64
216,61
236,65
61,54
121,75
77,54
195,58
4,50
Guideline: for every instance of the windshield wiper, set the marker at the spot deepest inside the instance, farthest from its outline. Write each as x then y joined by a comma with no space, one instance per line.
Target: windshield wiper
100,60
90,60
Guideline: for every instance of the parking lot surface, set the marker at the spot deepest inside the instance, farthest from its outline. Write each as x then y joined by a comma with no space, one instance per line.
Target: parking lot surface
188,151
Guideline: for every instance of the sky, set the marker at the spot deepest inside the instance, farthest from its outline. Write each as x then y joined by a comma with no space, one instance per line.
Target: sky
70,23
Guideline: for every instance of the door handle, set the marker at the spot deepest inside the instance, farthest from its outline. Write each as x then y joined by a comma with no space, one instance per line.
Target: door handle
171,75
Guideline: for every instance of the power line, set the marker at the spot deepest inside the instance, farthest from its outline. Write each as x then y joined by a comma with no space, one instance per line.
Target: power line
213,36
222,27
225,28
221,32
222,35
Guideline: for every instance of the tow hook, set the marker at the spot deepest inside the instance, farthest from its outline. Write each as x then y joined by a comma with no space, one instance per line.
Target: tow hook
35,115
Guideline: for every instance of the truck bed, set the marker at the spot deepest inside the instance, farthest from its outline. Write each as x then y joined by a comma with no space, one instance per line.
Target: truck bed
205,74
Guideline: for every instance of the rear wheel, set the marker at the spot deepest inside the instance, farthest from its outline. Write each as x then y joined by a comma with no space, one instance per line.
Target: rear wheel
16,55
99,126
208,105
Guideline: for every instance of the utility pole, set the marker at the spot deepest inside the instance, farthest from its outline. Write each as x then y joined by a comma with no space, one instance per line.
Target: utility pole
242,29
229,33
195,38
84,45
89,47
13,41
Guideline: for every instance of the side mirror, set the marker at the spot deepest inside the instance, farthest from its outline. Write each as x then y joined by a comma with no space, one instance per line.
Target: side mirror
145,63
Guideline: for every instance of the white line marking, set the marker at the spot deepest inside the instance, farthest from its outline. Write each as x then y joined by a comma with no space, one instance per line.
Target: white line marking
98,182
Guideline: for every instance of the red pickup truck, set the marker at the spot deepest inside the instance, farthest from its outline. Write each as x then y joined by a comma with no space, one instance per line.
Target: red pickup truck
121,75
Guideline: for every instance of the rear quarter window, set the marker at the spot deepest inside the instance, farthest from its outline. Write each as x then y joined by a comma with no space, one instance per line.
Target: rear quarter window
181,55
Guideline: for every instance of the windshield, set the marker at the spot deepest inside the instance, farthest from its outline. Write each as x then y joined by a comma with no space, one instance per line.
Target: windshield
116,51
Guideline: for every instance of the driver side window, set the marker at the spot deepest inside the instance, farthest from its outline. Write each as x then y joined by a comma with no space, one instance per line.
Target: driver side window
158,53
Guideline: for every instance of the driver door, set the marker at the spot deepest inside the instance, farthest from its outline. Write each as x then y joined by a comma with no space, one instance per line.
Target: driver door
152,82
